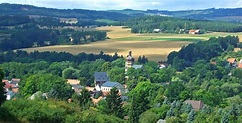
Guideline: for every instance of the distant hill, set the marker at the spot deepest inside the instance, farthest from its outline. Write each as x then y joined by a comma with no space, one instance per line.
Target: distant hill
222,14
17,9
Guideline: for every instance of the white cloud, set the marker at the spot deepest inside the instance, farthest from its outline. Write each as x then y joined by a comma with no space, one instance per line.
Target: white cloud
133,4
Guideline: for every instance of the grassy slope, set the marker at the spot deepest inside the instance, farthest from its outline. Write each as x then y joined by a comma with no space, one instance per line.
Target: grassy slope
155,46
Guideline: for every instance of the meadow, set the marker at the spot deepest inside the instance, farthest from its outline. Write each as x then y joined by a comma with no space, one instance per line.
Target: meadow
155,46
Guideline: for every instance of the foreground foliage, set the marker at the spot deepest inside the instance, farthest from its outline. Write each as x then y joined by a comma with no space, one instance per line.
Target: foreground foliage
50,112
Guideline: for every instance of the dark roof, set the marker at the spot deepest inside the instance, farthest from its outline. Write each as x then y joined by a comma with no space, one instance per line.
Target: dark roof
77,86
111,84
101,76
197,105
15,81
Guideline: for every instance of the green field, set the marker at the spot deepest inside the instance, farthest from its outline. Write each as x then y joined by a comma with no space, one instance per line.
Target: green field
155,46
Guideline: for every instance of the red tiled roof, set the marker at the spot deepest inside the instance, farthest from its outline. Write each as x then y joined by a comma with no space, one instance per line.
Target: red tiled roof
15,90
7,85
105,93
4,80
240,65
192,30
95,101
231,60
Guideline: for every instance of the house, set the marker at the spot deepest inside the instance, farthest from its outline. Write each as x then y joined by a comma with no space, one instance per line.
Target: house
9,95
232,62
156,30
107,86
7,85
15,81
77,87
68,20
100,78
38,95
15,89
161,121
95,101
11,87
137,66
213,62
73,81
196,105
162,64
239,65
194,31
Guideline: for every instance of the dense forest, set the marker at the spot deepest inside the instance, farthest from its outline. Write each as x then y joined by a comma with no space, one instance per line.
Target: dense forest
150,97
207,50
174,25
18,32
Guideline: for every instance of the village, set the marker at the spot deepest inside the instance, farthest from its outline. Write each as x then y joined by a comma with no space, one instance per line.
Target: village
103,85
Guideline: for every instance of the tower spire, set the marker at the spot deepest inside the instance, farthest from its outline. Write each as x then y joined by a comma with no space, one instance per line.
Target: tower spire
130,53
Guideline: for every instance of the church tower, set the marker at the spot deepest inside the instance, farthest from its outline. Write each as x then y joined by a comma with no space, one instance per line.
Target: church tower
129,61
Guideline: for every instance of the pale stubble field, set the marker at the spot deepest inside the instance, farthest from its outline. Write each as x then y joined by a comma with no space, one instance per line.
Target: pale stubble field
154,46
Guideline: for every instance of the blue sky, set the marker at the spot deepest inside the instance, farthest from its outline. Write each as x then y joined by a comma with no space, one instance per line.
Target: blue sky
133,4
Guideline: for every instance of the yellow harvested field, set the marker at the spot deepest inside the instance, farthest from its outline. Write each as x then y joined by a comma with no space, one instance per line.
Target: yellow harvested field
154,46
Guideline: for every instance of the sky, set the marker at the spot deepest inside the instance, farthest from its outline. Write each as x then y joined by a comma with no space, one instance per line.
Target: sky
131,4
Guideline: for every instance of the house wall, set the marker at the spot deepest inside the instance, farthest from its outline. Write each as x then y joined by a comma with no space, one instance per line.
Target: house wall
108,89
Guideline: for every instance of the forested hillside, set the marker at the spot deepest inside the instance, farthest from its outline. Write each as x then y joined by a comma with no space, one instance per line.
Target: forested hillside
17,9
192,53
175,25
18,32
221,14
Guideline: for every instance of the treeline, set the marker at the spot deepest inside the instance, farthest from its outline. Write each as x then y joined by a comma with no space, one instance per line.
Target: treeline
211,13
203,50
43,21
25,57
32,36
174,25
7,20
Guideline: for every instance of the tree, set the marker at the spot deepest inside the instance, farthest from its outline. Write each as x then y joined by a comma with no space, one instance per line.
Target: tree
2,90
173,90
115,103
139,104
170,113
116,74
166,101
70,73
191,116
225,118
84,99
46,83
106,66
148,117
234,111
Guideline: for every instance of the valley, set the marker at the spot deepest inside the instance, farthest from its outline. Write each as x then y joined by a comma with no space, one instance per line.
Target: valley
155,46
